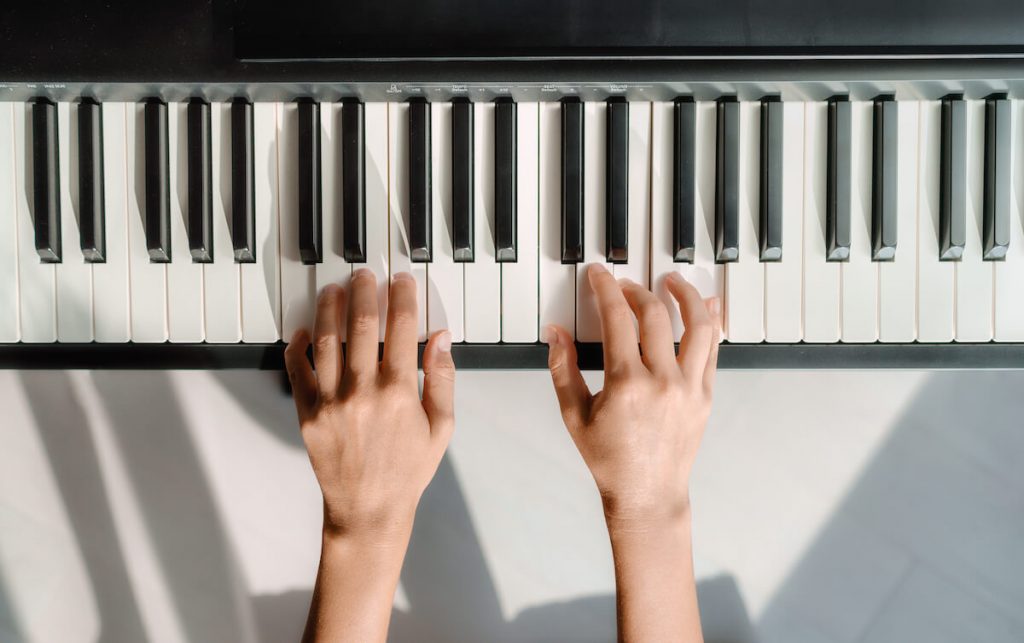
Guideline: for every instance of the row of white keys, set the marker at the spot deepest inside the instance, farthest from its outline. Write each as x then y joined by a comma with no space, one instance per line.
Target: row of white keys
638,195
935,278
588,323
9,326
744,279
260,281
557,288
520,279
400,258
73,274
821,279
111,307
483,274
860,273
185,297
222,307
298,280
37,291
1009,304
445,277
333,269
974,276
897,279
782,279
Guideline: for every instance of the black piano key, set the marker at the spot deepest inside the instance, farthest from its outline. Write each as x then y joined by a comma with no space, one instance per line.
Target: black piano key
310,190
884,163
353,193
46,181
420,230
683,179
727,181
158,183
572,181
617,181
771,179
243,181
463,208
505,223
200,182
91,227
953,179
996,208
838,178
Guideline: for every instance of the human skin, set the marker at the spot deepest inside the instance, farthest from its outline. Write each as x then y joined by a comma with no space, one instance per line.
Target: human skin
639,437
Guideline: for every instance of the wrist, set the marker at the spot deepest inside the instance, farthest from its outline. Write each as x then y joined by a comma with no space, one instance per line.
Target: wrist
630,515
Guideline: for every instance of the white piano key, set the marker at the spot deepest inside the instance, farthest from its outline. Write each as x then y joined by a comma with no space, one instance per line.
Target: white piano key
9,331
111,296
400,258
260,281
897,279
783,280
557,287
298,280
974,276
821,279
222,307
662,264
1009,277
36,284
744,279
860,273
184,277
519,280
706,276
935,279
147,280
73,274
638,263
378,225
483,275
445,293
333,269
588,323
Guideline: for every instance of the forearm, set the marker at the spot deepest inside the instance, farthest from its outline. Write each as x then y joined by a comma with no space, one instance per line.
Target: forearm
355,588
656,592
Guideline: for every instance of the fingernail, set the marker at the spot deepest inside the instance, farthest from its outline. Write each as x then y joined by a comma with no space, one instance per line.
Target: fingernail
444,340
550,336
401,276
330,289
626,281
676,277
362,273
596,268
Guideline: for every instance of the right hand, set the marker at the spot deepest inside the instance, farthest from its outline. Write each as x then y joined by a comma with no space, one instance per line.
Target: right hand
639,436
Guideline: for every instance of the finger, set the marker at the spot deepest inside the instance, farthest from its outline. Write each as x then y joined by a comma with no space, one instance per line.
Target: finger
714,308
327,341
617,332
362,331
573,395
300,375
698,327
439,386
402,327
656,346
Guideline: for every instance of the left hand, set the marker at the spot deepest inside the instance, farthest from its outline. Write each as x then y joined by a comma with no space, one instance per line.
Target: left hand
373,443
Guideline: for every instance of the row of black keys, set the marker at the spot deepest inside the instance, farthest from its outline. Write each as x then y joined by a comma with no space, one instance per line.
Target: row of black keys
953,186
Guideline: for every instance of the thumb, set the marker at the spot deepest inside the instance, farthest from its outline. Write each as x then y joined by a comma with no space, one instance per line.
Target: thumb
439,385
573,395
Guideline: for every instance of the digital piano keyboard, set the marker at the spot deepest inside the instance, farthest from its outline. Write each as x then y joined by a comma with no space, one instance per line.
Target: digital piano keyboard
179,179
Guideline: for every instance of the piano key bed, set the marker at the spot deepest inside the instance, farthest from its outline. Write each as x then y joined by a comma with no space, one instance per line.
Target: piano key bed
840,233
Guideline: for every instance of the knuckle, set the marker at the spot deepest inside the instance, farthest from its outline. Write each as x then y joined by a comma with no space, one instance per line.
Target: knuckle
363,322
653,309
403,317
325,343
